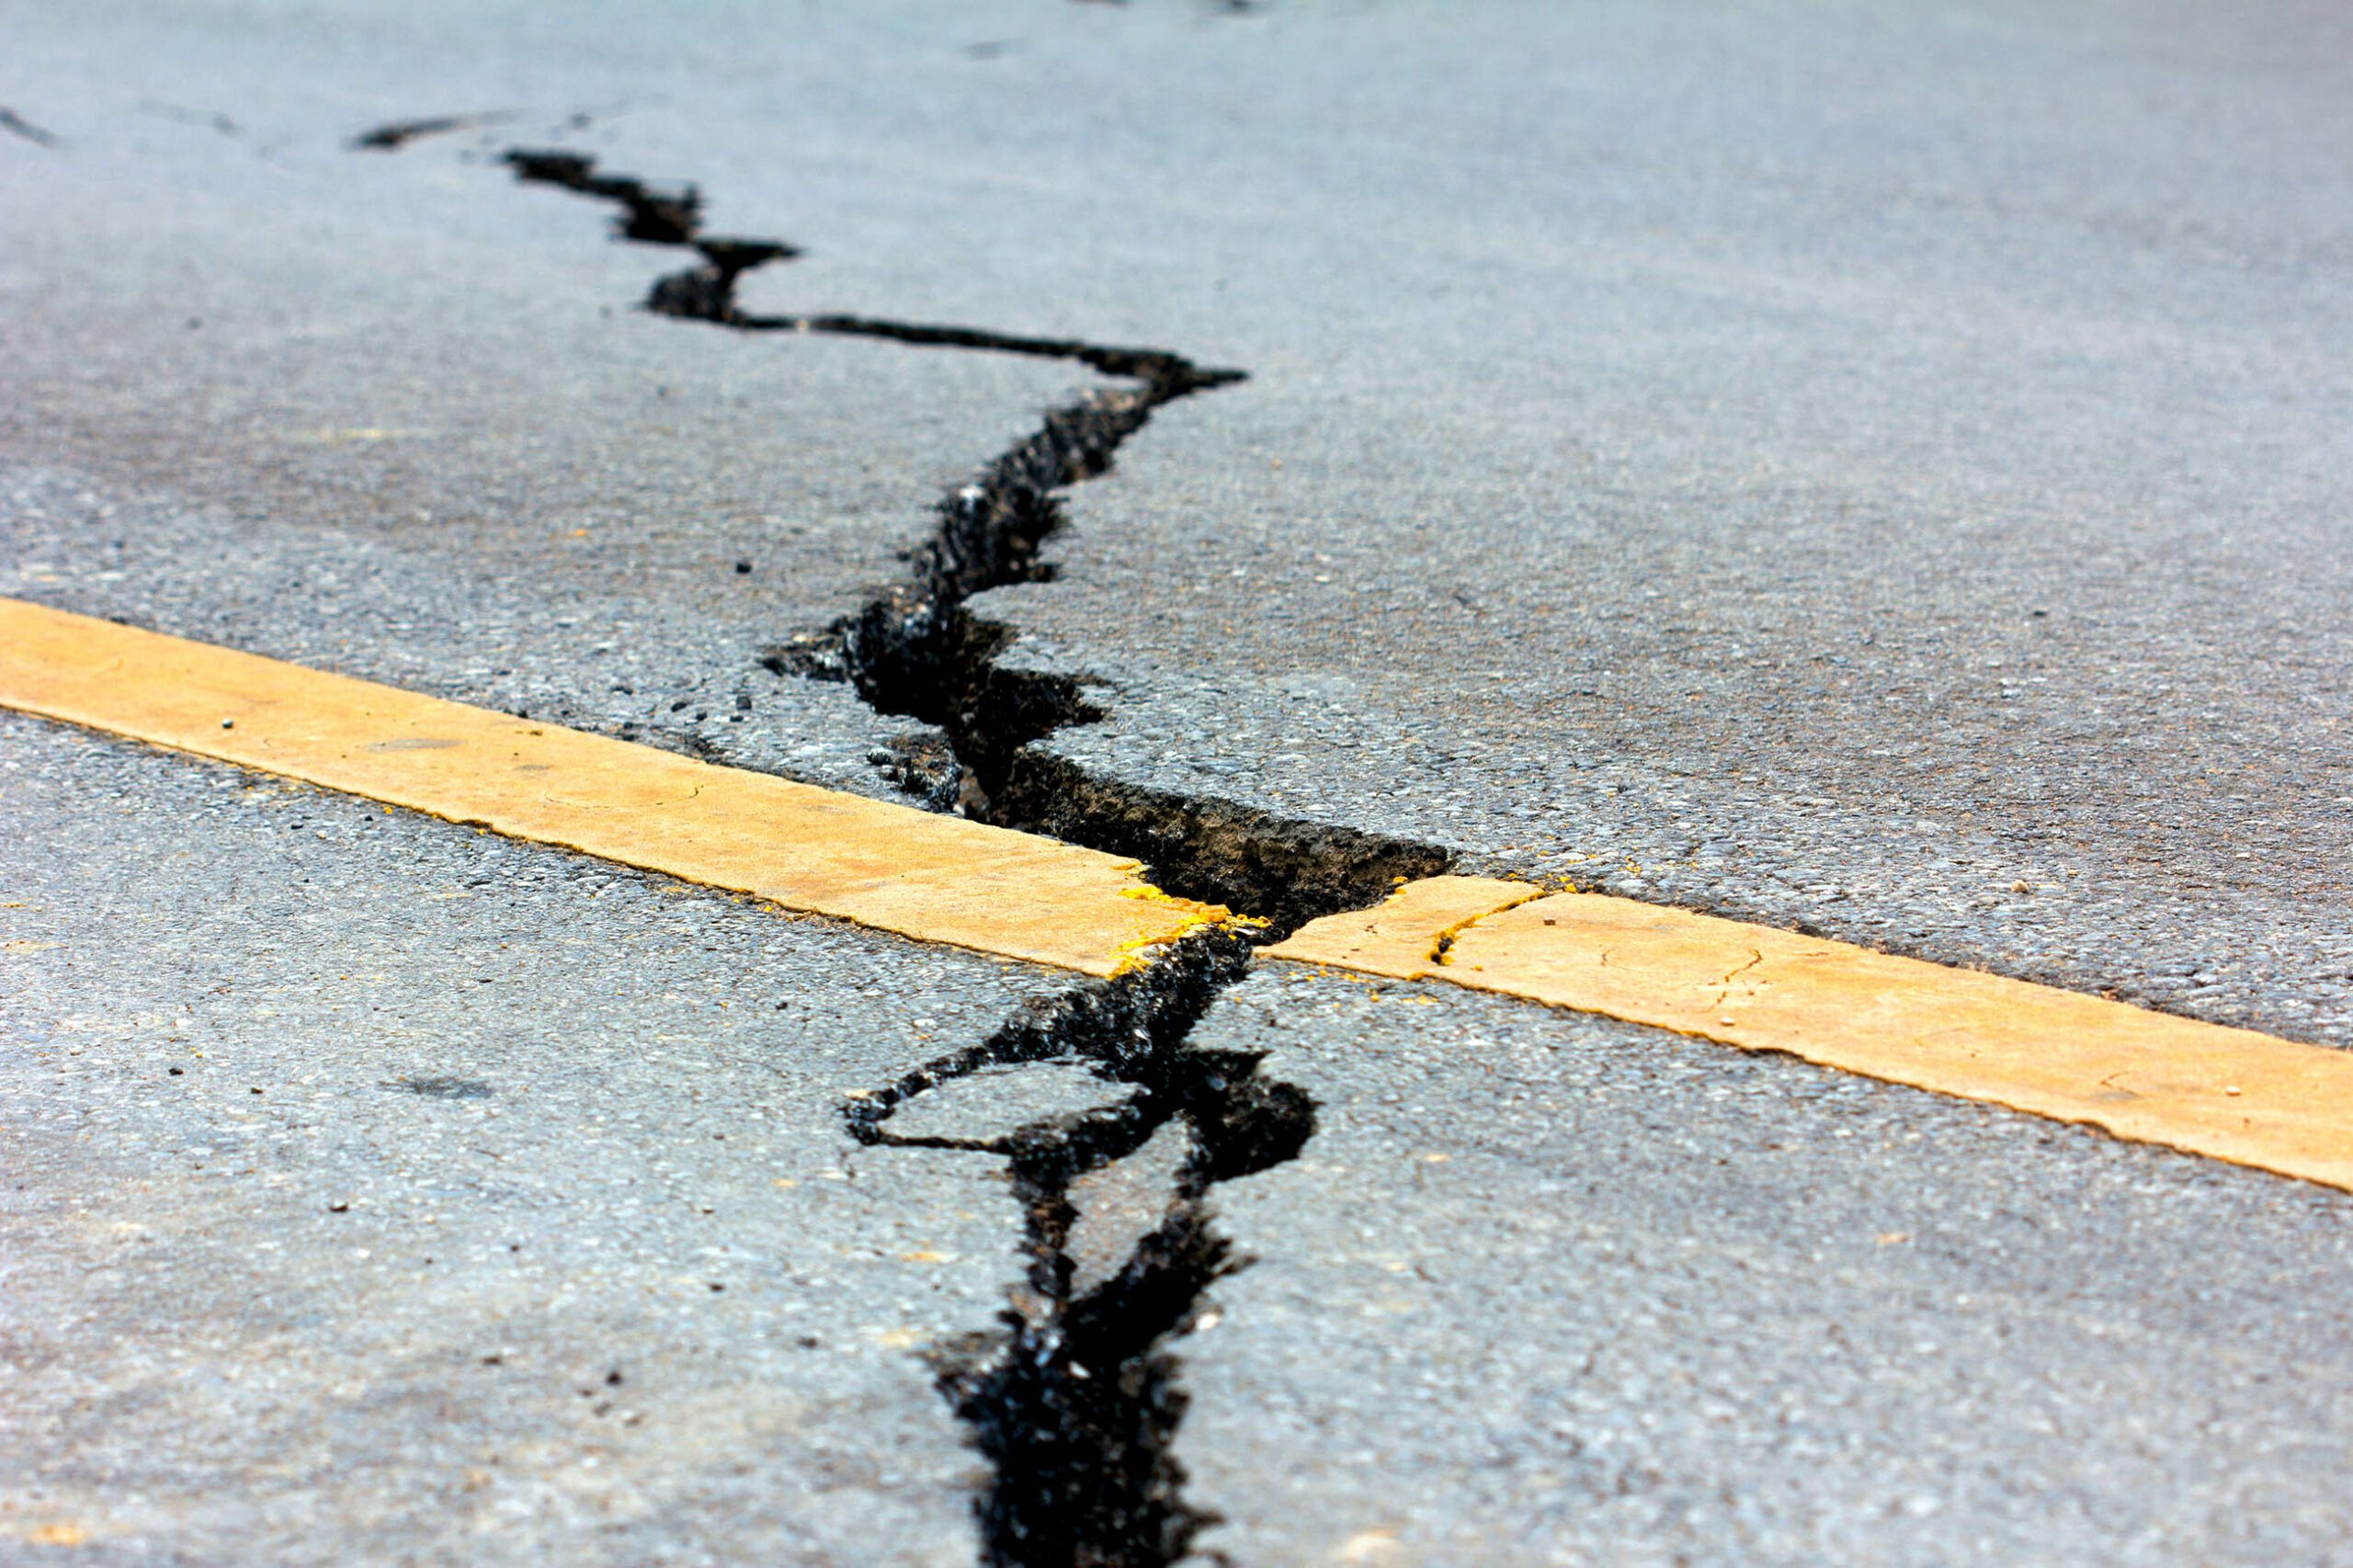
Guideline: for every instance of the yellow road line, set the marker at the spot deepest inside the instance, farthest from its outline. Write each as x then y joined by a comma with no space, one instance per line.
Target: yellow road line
2231,1094
1397,937
893,868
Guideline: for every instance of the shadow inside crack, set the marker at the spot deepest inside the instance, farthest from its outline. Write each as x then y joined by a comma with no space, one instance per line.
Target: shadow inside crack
916,650
1074,1396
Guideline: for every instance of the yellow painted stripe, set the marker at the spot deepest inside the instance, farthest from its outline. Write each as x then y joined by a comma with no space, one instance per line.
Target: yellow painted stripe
2231,1094
1397,937
934,878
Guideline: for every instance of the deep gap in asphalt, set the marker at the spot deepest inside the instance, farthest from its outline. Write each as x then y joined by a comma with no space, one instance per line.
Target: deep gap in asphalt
394,135
915,649
18,125
1073,1399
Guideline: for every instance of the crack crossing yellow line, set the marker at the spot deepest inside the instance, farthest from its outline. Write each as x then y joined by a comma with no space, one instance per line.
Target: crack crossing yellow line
2231,1094
893,868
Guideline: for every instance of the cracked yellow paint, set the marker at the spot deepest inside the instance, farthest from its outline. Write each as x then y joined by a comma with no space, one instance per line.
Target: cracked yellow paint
1399,936
1190,917
893,868
2230,1094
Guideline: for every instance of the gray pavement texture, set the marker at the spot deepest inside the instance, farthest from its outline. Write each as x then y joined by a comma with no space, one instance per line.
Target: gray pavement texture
1806,463
1886,471
377,1192
1881,469
1559,1289
401,418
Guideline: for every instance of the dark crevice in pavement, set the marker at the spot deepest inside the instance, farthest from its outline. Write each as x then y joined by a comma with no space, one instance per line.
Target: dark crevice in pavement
18,125
653,215
394,135
1074,1398
914,650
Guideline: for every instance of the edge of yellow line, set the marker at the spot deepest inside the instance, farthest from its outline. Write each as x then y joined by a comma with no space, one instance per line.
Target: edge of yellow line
819,851
2230,1094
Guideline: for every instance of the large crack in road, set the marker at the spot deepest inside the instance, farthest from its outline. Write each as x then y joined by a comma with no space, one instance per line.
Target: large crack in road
916,650
1073,1398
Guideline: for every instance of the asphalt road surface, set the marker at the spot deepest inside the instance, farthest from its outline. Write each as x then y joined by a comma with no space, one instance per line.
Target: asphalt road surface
1880,470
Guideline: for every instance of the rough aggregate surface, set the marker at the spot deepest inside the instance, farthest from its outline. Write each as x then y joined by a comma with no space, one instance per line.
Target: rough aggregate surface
1879,473
1608,1295
376,1187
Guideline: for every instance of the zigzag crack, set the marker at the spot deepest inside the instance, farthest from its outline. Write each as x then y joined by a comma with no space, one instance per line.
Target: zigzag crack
1073,1398
914,650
